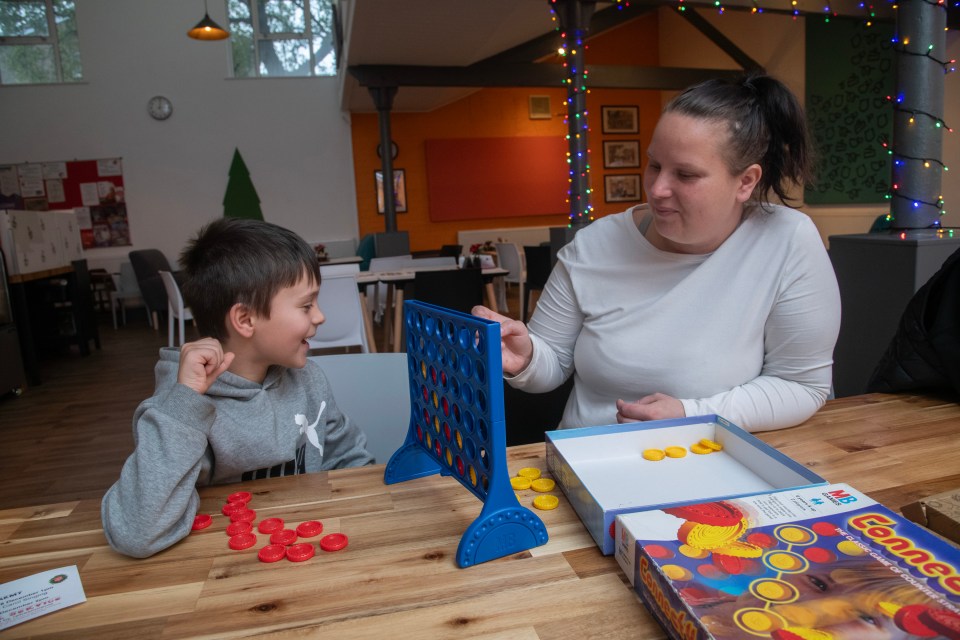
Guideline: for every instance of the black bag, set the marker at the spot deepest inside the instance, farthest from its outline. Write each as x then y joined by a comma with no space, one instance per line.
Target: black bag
925,351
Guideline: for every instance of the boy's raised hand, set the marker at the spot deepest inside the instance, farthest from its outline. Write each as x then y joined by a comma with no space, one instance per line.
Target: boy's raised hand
201,363
516,346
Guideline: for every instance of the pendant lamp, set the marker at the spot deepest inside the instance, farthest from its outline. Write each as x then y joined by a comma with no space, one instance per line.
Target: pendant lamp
207,29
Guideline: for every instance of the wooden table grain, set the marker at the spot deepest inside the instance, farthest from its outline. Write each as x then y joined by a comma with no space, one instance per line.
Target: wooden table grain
398,578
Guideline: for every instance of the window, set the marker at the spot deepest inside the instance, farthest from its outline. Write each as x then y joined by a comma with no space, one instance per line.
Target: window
38,42
277,38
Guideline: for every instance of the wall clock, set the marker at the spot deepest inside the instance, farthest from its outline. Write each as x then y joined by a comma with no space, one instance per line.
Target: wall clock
159,108
394,150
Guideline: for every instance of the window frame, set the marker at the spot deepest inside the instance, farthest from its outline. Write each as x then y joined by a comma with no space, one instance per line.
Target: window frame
259,36
52,39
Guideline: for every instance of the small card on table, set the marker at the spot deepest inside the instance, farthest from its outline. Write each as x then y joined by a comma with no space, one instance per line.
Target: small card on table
39,594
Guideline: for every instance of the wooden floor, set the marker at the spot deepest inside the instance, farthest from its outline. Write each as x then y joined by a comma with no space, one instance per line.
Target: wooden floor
67,438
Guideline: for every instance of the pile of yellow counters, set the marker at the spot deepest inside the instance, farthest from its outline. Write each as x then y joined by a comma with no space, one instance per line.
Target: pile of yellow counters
703,447
529,478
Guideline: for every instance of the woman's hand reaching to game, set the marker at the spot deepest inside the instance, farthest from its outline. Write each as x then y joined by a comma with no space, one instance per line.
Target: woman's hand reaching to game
515,343
658,406
201,363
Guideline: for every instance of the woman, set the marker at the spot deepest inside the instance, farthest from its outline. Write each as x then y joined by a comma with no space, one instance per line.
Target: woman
707,299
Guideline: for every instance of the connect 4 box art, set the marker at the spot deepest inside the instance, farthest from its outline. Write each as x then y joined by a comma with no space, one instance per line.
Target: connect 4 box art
814,563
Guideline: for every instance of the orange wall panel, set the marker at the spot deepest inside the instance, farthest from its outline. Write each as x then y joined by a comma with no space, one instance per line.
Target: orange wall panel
471,178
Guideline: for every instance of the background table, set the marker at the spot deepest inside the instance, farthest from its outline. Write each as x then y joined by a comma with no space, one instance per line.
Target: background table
398,578
36,318
396,281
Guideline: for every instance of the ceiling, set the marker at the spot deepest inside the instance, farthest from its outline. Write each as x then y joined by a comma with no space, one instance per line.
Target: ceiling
437,34
429,33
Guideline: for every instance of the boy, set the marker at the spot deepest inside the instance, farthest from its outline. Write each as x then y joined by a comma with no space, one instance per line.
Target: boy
242,402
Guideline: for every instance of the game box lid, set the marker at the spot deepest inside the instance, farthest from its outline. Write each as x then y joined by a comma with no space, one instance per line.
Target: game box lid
817,563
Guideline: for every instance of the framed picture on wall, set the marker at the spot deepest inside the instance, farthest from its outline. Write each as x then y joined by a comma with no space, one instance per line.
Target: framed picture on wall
623,187
539,107
399,190
620,119
621,154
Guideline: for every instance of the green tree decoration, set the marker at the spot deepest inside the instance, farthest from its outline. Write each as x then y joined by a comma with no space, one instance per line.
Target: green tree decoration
241,199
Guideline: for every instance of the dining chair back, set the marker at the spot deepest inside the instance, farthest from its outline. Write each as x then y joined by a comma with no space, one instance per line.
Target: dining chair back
451,250
538,272
339,300
126,289
510,258
434,261
175,308
355,378
334,270
529,415
391,263
458,289
147,265
391,243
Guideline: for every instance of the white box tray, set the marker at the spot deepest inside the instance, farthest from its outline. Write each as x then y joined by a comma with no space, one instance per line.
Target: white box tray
603,473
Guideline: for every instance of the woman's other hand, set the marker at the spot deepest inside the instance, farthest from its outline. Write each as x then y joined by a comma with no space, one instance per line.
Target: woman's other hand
658,406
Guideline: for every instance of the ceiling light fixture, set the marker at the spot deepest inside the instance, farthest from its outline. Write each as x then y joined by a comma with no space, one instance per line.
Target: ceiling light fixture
207,29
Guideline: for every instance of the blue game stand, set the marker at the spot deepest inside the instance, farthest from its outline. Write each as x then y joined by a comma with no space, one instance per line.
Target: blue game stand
457,426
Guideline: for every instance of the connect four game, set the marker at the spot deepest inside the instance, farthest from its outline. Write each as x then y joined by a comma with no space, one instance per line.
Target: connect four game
821,563
457,426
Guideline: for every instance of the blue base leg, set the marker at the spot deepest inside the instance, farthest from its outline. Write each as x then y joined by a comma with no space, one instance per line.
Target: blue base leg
408,462
499,533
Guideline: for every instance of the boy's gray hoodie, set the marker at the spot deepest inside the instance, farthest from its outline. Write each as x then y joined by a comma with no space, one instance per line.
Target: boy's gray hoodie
238,431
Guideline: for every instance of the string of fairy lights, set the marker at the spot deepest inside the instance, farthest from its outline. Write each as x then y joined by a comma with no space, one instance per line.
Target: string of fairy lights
902,104
579,192
577,117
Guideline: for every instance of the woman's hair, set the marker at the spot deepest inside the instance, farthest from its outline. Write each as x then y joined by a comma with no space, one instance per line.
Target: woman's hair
238,260
767,127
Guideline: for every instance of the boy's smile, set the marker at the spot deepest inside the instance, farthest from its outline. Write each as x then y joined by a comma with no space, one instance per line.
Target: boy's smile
282,338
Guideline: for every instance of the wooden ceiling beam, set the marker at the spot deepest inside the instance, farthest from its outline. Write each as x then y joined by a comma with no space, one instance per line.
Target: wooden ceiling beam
532,75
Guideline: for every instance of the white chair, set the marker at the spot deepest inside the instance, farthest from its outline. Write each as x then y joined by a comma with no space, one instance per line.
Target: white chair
126,288
175,308
374,390
511,258
339,300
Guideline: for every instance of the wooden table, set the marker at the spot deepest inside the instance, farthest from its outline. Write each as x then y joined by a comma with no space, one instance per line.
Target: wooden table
30,323
397,578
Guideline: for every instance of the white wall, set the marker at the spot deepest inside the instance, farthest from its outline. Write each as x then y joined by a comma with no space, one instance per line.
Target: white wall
291,132
777,43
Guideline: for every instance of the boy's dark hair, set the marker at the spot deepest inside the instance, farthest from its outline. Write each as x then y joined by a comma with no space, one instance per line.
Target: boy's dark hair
238,260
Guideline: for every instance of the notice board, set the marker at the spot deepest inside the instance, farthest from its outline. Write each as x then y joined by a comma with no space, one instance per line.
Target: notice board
470,178
849,73
92,188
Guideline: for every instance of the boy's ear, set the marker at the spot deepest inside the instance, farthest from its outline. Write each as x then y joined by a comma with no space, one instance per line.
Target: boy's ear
240,320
